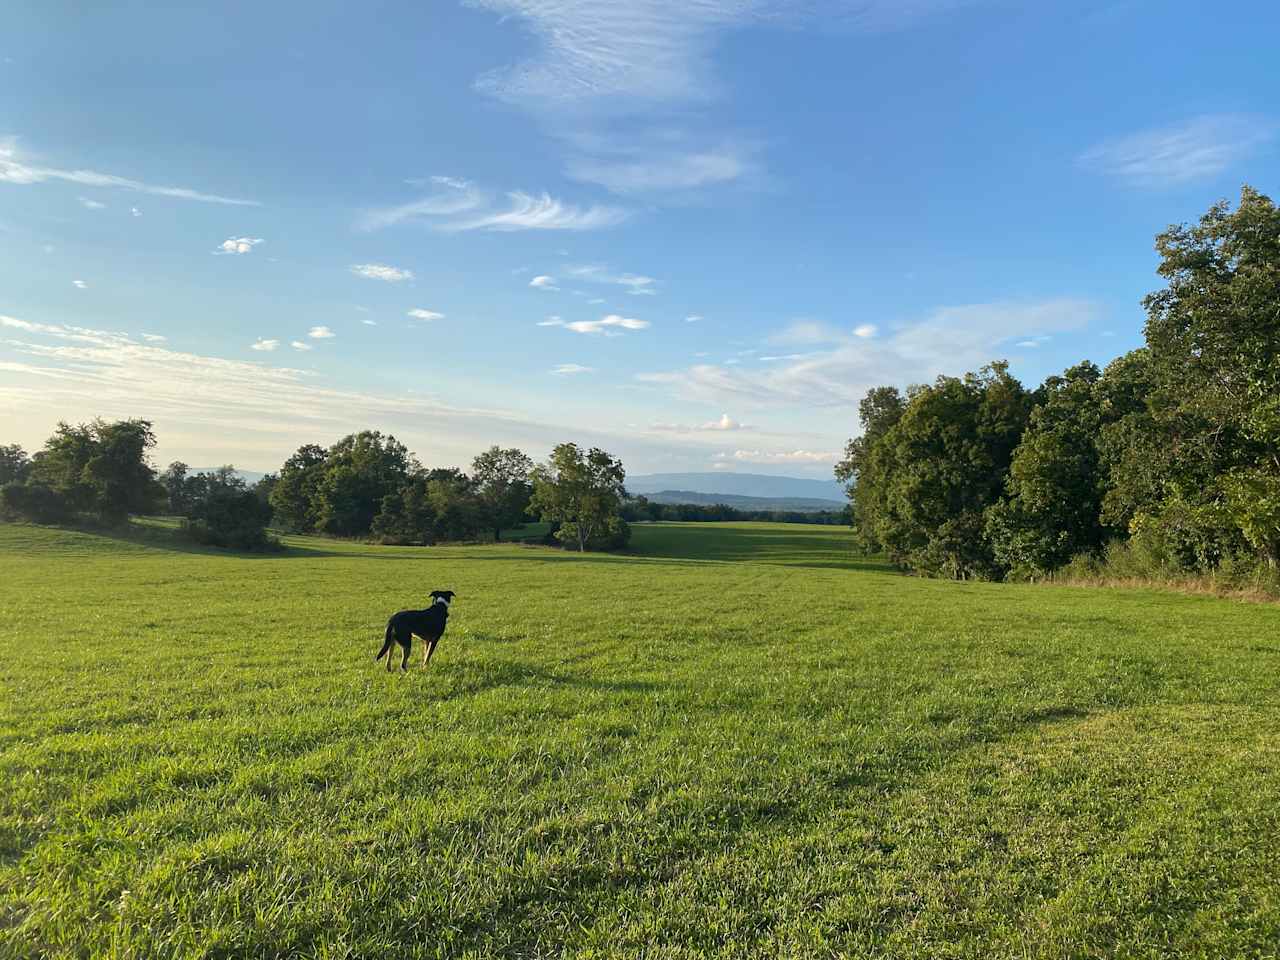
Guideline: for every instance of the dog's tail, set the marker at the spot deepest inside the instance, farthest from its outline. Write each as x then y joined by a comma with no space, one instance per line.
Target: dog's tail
386,647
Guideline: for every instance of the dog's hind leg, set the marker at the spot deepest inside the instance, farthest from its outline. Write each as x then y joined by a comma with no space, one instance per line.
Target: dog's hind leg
407,643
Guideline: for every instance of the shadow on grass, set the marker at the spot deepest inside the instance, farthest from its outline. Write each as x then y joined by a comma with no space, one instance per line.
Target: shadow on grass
469,679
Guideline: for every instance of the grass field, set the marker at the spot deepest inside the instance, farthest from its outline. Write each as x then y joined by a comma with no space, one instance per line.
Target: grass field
740,741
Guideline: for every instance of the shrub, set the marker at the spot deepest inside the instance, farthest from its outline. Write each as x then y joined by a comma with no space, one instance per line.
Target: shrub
236,519
35,502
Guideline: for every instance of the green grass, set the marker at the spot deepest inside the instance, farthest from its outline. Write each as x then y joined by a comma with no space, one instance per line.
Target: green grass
741,740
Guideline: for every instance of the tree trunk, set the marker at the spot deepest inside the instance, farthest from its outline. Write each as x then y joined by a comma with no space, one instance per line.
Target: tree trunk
497,534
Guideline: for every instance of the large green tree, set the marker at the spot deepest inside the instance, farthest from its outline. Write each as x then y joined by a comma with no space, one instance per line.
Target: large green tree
359,471
502,484
14,464
295,495
858,470
101,468
1214,339
930,477
583,492
1056,482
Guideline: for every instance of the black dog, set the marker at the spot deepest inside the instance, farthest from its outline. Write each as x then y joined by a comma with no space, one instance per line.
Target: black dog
428,624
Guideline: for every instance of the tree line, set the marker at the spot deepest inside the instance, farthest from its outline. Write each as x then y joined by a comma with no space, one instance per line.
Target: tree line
366,485
1166,461
641,508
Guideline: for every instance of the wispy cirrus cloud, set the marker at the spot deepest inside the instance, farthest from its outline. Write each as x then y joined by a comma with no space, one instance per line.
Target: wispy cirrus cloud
571,369
381,271
204,403
92,204
418,313
842,367
786,456
457,206
602,60
1198,149
635,283
15,170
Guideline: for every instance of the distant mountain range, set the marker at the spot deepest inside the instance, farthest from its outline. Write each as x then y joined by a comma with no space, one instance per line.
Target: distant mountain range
738,502
737,484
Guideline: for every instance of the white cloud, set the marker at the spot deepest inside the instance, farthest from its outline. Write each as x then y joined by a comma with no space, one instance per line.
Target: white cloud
420,314
370,323
154,338
252,412
1199,149
551,321
568,369
723,424
634,282
785,456
694,318
865,330
380,271
456,206
265,345
238,244
299,345
608,325
655,50
79,284
91,204
950,340
13,170
543,282
806,332
321,333
540,212
642,168
134,211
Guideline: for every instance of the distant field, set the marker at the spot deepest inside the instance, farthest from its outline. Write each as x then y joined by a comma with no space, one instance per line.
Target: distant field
742,740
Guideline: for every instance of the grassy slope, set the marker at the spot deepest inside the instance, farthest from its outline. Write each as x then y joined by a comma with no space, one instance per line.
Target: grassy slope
797,754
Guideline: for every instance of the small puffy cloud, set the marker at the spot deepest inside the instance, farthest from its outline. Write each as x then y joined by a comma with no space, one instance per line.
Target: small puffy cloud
865,330
238,244
543,282
135,212
79,284
320,333
154,338
381,271
694,318
265,345
370,323
299,345
569,369
91,204
420,314
607,325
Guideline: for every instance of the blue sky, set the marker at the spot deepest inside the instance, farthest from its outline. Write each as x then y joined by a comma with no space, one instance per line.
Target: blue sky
693,232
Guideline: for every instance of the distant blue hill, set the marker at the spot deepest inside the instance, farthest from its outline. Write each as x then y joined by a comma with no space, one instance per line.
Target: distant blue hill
737,484
739,502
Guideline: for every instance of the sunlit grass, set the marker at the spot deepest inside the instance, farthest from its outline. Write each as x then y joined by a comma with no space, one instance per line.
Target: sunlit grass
738,740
